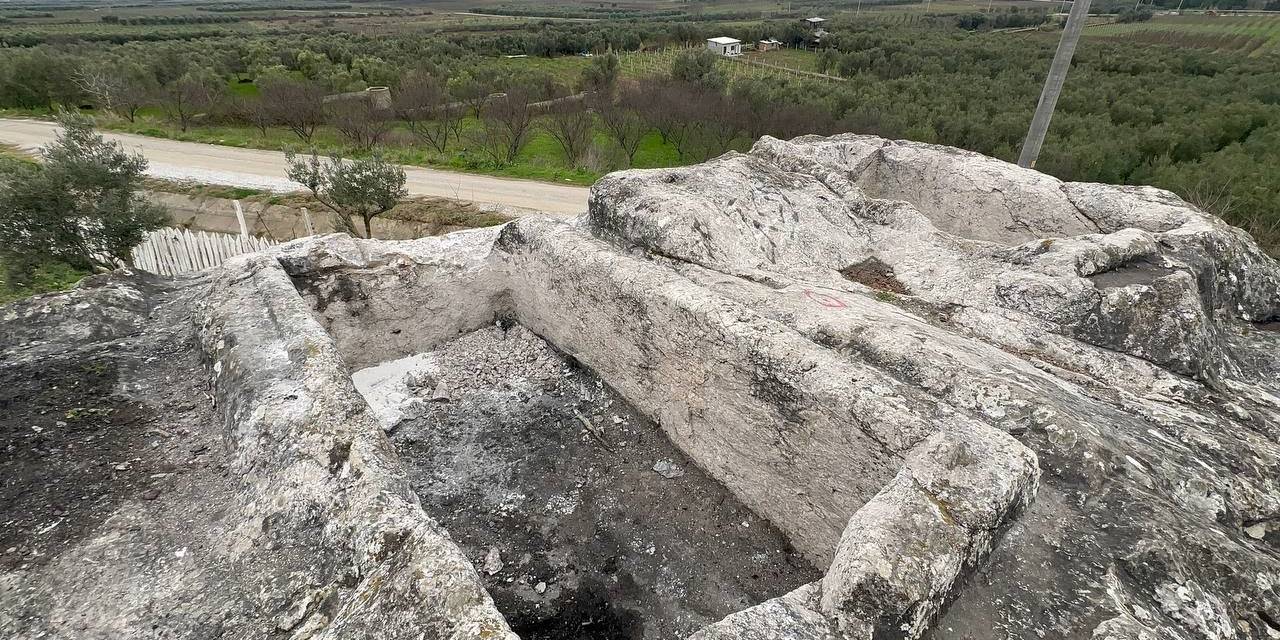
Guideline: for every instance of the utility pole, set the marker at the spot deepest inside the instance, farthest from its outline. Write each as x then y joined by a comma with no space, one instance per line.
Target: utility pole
1053,84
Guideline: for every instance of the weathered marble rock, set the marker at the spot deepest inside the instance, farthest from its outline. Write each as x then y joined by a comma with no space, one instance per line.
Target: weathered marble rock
985,402
903,553
1126,337
794,616
101,308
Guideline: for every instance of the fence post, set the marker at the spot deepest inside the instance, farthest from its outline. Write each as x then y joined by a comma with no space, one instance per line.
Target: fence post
244,230
306,219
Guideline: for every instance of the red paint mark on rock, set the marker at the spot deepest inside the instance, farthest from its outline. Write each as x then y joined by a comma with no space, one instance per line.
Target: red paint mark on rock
824,299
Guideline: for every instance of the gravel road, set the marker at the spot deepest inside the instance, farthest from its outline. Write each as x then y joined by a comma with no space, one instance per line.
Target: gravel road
261,169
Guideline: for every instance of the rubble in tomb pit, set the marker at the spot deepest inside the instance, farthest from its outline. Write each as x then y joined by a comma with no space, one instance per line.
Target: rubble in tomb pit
583,520
842,387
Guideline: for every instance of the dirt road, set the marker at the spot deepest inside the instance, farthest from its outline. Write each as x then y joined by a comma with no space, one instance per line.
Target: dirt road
256,168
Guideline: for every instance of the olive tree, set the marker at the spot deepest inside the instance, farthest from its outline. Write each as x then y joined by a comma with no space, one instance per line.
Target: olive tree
351,189
81,206
699,66
601,74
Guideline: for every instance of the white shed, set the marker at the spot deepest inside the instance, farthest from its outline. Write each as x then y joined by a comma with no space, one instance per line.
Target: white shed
725,46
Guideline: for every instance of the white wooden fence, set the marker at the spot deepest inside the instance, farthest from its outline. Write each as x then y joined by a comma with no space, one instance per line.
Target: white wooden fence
170,251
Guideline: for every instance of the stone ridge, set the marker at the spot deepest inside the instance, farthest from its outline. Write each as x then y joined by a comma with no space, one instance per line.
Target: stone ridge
1126,337
952,227
306,440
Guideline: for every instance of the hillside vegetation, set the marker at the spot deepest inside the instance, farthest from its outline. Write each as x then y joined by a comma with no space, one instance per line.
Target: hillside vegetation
1255,35
1203,121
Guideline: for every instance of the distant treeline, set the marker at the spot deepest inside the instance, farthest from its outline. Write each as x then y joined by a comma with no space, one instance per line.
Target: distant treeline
690,12
1116,6
44,37
43,8
146,20
1002,20
273,6
560,11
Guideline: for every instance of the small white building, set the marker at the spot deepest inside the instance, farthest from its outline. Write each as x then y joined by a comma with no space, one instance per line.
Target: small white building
815,23
725,46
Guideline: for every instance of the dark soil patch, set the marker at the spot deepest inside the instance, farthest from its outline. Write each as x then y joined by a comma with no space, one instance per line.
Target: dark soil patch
874,273
87,427
70,451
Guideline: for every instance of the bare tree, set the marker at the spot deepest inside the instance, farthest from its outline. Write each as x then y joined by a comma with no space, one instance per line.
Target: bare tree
123,90
569,123
360,121
254,111
505,125
423,104
796,119
296,104
136,93
100,84
718,122
195,93
670,114
620,116
756,105
474,91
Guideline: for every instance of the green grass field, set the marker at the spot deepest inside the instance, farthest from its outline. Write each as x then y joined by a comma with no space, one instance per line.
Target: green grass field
1255,35
567,70
652,63
798,59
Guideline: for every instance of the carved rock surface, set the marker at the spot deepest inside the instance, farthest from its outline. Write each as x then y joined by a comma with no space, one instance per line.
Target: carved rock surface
1124,336
985,402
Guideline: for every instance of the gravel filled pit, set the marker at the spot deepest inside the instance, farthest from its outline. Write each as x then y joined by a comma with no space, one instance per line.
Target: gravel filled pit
582,518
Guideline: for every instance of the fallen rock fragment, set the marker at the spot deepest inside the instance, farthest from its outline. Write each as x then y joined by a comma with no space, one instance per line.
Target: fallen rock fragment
441,393
668,469
493,561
